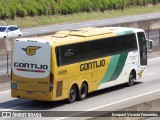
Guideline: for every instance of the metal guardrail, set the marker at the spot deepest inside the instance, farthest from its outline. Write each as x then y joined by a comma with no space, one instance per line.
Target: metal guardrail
6,46
5,63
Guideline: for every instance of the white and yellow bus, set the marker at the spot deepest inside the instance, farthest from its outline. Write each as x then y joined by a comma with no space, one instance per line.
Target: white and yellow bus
70,64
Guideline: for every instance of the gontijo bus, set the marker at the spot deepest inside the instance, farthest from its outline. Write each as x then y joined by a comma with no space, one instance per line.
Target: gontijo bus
70,64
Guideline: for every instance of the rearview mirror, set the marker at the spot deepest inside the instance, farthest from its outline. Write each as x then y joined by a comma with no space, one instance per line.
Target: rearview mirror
149,45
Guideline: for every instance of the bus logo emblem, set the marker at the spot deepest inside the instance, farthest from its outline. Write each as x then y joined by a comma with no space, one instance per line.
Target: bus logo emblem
31,50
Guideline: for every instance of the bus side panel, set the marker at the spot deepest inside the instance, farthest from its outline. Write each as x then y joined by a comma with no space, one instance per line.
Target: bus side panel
63,76
96,70
90,71
62,89
130,64
120,68
114,72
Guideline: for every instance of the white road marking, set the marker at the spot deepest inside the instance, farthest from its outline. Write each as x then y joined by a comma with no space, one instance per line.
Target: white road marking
120,20
106,105
46,30
150,73
135,18
5,91
123,100
25,32
154,36
154,59
151,16
100,23
5,61
105,22
85,25
3,71
66,27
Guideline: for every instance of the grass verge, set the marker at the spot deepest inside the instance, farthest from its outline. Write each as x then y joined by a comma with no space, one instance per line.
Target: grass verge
77,17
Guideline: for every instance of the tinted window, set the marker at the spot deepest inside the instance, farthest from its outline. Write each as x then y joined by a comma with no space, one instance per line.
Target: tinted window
143,48
78,52
125,43
2,29
12,28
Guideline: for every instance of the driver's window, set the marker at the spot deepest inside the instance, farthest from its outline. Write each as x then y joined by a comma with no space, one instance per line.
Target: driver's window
142,48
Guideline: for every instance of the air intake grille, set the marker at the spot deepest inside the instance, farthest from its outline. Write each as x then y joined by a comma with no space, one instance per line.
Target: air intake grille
59,88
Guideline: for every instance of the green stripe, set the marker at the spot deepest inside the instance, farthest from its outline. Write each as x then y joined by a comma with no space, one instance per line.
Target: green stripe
120,65
109,72
124,32
115,67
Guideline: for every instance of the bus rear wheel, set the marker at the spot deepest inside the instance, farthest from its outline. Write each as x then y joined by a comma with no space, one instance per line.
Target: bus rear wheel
72,94
83,92
131,79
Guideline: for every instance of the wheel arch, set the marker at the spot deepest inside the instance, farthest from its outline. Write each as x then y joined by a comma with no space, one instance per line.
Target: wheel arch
76,85
133,71
85,83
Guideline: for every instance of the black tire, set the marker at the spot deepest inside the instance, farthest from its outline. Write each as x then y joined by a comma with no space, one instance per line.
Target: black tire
83,92
131,79
72,94
4,37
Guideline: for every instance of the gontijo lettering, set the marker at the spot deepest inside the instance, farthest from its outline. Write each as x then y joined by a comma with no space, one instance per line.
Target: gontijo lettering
92,65
30,66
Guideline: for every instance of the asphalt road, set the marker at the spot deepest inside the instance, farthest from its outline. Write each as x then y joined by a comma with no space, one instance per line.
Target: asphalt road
110,99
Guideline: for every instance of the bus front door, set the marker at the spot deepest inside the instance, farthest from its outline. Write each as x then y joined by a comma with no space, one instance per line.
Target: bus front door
142,53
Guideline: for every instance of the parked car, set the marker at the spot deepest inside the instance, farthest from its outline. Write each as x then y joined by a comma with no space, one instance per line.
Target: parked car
8,31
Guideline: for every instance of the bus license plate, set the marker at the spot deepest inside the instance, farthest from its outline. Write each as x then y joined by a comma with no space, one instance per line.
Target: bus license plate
29,92
14,85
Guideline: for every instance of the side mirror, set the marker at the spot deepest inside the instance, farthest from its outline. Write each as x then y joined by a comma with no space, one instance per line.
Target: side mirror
149,45
7,30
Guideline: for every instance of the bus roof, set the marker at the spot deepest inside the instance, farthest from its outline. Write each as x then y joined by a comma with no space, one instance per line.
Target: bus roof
82,34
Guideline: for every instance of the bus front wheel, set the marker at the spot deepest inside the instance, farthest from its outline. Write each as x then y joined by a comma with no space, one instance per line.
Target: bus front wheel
131,79
72,94
83,92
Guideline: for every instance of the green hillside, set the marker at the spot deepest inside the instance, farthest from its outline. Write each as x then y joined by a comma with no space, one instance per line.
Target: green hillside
21,8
